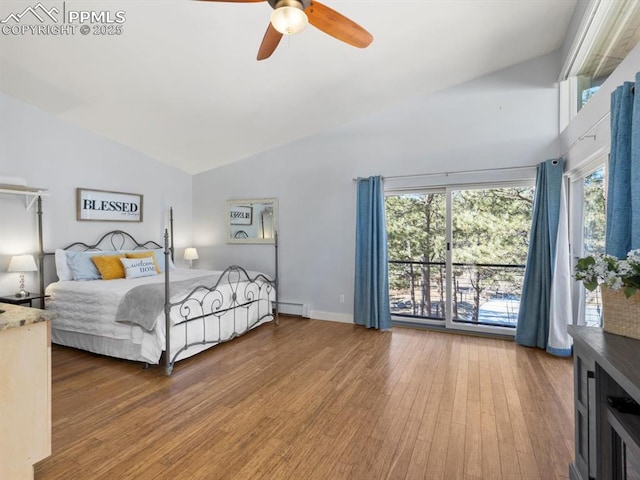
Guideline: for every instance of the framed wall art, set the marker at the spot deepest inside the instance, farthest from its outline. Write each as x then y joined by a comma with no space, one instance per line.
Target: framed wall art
107,206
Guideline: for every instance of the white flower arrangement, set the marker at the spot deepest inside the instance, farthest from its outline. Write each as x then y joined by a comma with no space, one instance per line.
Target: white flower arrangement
607,270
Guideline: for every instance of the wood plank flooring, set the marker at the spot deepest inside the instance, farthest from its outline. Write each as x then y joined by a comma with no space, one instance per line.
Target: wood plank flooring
317,400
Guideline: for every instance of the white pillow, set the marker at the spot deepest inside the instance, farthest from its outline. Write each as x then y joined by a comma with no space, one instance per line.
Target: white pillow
139,267
62,267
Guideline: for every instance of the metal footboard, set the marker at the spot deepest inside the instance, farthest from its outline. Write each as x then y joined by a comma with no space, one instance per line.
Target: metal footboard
236,298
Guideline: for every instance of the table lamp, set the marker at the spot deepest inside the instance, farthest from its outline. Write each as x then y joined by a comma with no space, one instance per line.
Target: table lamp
191,254
22,263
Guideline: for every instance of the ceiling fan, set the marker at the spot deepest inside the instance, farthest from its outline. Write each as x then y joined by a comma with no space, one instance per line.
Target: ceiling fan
291,16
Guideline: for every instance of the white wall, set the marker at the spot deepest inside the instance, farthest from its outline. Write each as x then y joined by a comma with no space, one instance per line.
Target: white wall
506,119
56,155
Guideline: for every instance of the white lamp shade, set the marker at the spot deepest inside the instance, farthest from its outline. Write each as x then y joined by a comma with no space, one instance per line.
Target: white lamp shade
289,18
22,263
191,254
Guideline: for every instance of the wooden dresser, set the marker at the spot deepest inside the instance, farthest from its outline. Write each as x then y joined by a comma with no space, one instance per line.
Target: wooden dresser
606,369
25,390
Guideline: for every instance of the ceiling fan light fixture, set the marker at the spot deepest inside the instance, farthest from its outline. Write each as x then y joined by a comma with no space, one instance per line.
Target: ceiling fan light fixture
288,17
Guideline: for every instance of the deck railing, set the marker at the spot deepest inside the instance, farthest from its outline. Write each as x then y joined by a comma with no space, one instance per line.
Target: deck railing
483,293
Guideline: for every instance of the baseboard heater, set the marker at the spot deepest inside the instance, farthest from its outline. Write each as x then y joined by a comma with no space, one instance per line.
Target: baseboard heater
294,308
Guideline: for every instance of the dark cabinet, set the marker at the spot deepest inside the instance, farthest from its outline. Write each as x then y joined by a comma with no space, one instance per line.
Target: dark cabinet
606,393
585,419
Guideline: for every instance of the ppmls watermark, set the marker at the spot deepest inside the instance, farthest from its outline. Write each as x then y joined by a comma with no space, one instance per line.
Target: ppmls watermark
40,20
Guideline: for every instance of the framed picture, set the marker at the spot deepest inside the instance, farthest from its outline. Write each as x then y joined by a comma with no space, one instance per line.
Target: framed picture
252,220
106,206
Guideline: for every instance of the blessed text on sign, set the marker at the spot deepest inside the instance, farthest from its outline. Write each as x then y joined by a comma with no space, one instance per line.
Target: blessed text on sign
106,206
240,215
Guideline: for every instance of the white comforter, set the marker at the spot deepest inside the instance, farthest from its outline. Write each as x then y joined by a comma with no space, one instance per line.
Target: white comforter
89,307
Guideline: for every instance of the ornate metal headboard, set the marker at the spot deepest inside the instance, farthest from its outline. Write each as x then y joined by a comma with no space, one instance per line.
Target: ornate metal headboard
114,240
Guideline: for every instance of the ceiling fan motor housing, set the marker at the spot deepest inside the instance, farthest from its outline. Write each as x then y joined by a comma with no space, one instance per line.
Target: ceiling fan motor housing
289,3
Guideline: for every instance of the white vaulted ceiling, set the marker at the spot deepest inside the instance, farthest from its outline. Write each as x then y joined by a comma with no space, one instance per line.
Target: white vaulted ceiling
182,83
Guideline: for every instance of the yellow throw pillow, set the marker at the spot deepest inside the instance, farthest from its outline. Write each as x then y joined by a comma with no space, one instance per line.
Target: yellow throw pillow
145,255
109,266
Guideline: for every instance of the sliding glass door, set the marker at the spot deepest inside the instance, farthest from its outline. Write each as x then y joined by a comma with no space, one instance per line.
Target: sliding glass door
490,238
417,254
456,256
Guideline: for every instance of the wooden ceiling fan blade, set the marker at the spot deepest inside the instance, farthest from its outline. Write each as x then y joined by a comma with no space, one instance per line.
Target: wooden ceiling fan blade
337,25
269,42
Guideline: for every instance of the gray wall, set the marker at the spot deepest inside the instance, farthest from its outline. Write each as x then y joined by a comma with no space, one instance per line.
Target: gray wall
53,154
506,119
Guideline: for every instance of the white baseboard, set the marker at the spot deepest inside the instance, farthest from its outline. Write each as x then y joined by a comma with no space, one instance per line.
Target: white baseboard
304,310
332,316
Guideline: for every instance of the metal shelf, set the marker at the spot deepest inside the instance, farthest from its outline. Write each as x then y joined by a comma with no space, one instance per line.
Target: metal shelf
24,190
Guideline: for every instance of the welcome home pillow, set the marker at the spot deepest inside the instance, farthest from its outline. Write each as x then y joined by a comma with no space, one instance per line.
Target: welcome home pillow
148,253
139,267
159,255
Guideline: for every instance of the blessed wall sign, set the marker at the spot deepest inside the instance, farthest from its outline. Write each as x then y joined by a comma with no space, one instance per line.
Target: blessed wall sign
106,206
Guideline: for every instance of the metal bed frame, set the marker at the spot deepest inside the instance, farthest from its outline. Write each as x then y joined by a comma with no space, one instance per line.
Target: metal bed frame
211,304
203,301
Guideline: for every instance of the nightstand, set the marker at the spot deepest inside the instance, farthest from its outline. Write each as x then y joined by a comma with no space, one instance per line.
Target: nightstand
22,300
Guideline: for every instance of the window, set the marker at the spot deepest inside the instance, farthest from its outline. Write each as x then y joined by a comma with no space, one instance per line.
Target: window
587,87
608,32
594,213
588,223
593,236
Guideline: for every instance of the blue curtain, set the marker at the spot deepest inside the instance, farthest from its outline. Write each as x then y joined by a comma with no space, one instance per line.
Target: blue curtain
371,298
623,190
537,299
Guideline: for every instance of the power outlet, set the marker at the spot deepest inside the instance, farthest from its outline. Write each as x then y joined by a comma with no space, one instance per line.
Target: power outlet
342,298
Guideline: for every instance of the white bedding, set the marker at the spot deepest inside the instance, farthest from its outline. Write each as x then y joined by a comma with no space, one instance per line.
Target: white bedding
86,312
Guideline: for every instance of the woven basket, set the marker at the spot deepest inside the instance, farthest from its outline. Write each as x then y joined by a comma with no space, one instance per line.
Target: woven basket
621,314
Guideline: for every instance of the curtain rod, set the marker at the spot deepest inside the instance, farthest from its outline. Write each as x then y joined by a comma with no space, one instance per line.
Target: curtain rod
582,137
633,92
460,172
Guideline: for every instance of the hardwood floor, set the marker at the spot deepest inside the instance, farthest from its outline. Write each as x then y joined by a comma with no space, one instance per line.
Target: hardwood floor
317,400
